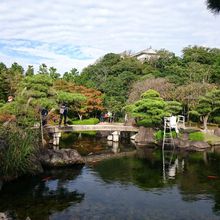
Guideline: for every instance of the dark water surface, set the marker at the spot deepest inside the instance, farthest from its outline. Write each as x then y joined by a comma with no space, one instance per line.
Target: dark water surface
185,186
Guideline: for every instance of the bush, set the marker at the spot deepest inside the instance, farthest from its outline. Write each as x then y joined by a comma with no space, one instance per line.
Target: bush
17,152
90,121
216,119
159,135
196,136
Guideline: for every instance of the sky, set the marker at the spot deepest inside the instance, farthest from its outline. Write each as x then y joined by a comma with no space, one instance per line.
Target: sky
70,34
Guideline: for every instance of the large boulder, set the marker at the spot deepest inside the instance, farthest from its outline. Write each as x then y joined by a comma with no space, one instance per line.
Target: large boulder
217,132
60,158
130,122
181,143
145,136
199,145
5,216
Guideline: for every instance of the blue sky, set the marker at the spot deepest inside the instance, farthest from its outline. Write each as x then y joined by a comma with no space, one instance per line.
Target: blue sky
68,34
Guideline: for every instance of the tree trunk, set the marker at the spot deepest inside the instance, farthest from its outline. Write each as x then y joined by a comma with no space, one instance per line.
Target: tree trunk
80,117
205,120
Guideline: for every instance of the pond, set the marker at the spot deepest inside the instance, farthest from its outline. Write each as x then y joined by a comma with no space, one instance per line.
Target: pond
151,185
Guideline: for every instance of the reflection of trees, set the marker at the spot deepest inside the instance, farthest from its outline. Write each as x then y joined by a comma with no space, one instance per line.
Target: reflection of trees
196,184
92,144
140,172
38,199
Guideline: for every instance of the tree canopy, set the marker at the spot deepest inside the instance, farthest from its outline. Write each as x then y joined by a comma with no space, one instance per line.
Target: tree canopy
214,6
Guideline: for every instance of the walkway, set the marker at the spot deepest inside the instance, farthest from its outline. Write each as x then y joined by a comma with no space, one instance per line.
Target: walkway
98,127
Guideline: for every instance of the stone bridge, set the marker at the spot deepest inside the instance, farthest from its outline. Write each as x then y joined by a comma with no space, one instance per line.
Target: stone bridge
99,127
115,128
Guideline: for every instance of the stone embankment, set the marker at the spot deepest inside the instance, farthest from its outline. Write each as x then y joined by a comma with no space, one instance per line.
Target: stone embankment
96,158
60,158
69,157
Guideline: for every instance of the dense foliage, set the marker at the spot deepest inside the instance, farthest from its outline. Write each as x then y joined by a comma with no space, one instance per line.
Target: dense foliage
111,83
214,5
18,151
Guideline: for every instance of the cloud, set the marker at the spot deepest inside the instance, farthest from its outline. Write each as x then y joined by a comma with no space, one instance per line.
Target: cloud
73,34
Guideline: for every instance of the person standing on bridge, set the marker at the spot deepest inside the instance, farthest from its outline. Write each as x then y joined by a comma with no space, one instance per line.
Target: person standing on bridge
63,114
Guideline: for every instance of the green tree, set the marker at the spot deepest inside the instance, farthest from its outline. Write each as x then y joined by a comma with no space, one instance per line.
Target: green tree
214,6
189,94
71,75
34,92
30,71
197,72
53,73
76,101
173,107
43,69
3,84
17,69
203,55
149,110
208,104
10,77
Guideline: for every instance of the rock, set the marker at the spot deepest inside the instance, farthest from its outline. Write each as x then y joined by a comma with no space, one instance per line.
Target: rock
145,136
5,216
217,132
60,157
130,122
181,143
199,145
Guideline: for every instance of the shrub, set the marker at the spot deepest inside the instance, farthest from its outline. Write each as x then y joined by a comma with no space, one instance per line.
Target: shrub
90,121
159,135
17,152
196,136
216,119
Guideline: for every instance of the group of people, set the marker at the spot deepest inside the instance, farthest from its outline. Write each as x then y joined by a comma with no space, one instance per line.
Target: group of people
63,115
107,117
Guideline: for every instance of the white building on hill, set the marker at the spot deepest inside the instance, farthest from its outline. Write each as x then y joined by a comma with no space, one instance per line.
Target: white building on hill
146,54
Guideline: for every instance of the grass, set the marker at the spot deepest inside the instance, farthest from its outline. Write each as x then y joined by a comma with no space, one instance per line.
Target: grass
196,136
18,152
90,121
159,135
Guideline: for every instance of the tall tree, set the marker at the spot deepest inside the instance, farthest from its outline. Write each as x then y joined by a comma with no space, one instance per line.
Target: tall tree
149,110
71,75
214,6
53,73
161,85
43,69
3,86
208,104
30,71
10,77
91,105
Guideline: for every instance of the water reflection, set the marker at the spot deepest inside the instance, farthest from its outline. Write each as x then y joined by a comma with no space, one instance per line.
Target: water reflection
172,164
123,188
39,197
92,144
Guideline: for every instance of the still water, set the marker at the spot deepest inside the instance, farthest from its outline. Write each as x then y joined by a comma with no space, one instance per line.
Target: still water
151,185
